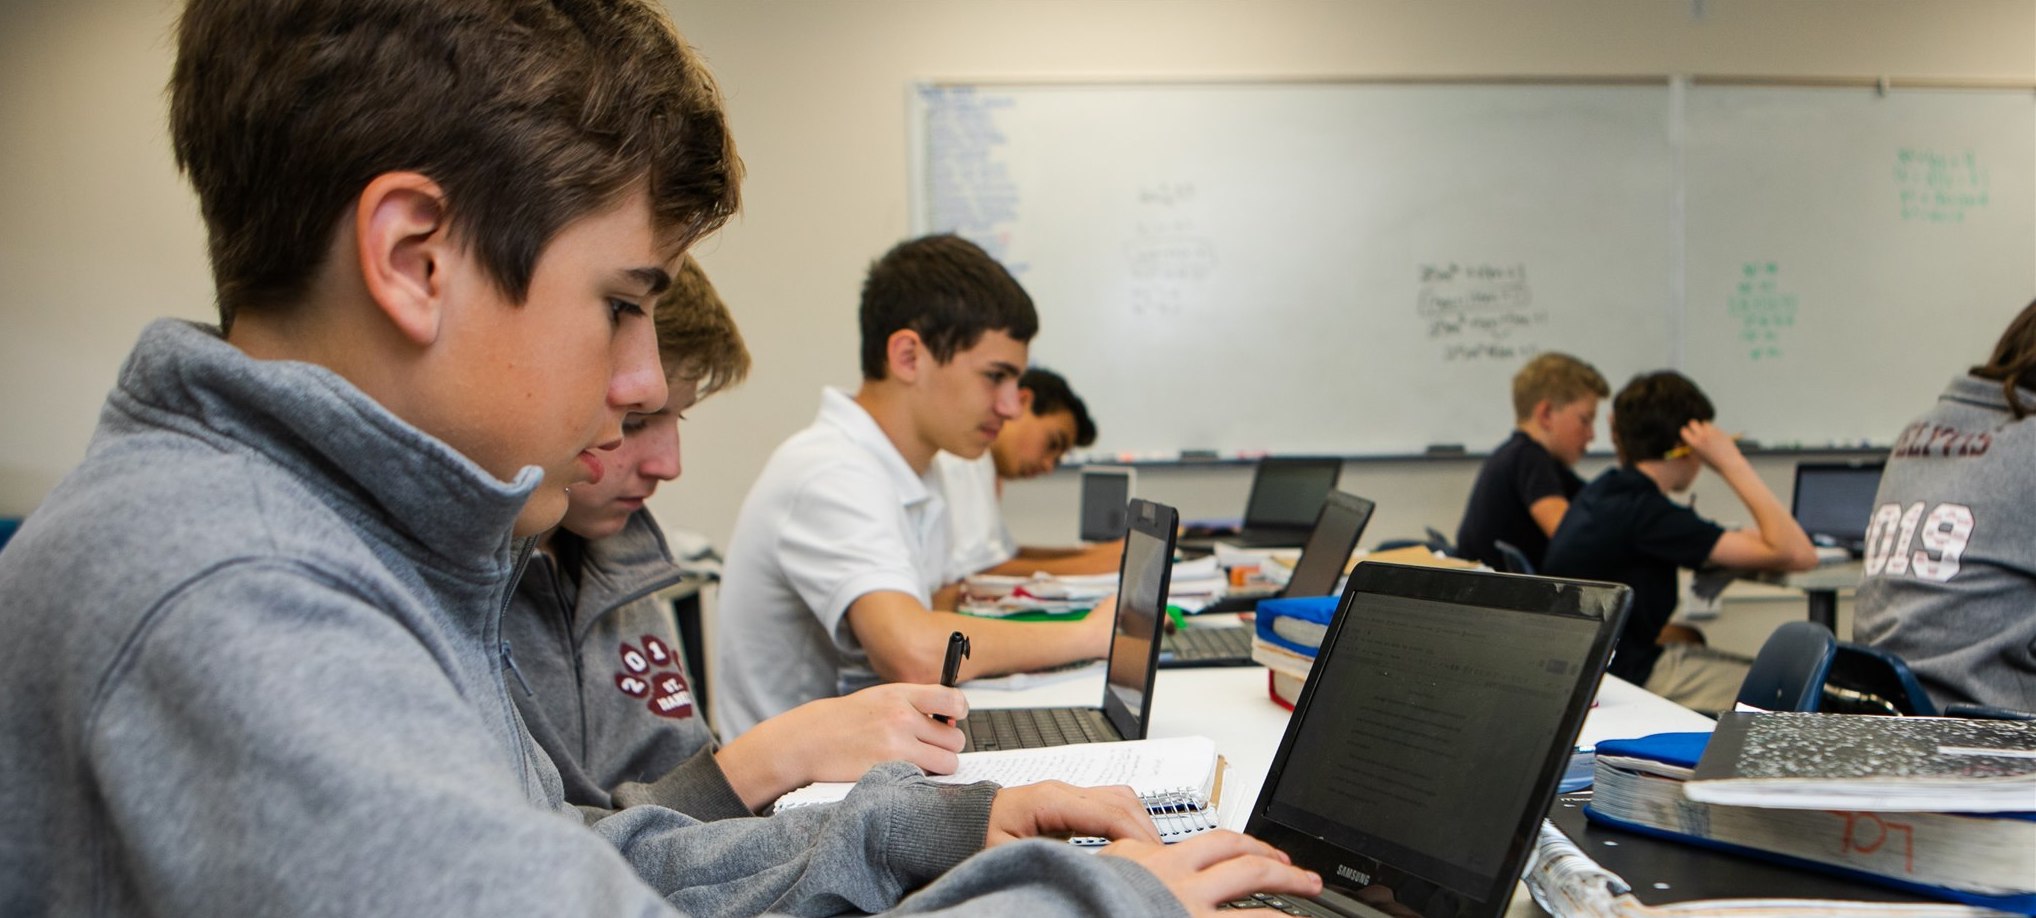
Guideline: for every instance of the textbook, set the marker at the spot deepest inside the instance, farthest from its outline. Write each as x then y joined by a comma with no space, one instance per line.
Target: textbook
1178,778
1860,762
1566,881
1987,860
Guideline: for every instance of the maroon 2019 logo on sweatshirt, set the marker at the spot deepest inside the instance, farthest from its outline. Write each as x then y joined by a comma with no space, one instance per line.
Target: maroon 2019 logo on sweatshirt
652,673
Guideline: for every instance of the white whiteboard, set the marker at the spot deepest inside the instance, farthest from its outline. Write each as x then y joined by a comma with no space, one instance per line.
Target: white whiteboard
1850,253
1359,268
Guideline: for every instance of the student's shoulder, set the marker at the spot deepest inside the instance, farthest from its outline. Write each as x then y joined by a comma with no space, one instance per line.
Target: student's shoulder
143,519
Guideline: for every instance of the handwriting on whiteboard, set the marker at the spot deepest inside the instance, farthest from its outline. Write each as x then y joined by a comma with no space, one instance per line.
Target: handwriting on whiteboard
1479,310
1764,310
1939,187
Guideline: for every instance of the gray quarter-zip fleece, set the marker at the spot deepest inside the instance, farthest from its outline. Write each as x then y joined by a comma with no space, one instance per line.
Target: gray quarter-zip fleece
252,666
610,699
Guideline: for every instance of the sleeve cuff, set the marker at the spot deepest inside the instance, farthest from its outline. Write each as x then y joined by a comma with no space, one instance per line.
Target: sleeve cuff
933,827
696,787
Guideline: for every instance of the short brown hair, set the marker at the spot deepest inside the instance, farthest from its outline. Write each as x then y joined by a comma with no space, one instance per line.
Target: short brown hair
529,113
2013,363
948,290
1557,378
1649,415
696,336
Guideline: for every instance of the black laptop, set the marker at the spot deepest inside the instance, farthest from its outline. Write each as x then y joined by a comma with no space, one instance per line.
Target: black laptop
1286,494
1834,502
1142,579
1337,529
1106,501
1429,739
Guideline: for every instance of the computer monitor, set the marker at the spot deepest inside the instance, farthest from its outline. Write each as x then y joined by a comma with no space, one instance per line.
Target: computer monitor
1287,493
1106,497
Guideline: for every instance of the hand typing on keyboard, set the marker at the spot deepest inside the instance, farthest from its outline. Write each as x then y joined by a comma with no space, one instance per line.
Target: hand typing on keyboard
1206,871
1057,809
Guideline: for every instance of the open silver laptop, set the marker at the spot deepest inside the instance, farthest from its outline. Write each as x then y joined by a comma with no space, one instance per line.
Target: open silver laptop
1126,709
1429,739
1337,529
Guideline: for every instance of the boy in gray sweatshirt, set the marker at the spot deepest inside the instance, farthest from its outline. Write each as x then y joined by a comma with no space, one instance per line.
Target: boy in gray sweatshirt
605,688
254,662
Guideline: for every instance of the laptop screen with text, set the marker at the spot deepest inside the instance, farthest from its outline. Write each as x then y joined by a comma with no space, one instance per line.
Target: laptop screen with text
1432,730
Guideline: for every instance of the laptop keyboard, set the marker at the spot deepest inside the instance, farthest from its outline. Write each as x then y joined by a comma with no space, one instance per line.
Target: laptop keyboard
1035,728
1278,906
1196,645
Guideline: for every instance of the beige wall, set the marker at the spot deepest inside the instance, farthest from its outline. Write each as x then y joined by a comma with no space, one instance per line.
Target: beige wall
97,235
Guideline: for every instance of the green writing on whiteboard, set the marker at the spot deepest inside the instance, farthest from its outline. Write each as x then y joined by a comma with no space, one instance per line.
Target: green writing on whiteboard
1763,309
1939,187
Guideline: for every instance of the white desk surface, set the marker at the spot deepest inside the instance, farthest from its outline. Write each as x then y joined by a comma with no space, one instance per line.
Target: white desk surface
1232,706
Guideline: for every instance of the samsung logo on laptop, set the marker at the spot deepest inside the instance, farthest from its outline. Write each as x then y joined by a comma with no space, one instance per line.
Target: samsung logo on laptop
1353,874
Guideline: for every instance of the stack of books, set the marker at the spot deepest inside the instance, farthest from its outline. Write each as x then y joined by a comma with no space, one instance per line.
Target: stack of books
1938,807
1289,633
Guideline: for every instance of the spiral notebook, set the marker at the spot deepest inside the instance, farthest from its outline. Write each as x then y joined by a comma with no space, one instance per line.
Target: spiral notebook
1178,778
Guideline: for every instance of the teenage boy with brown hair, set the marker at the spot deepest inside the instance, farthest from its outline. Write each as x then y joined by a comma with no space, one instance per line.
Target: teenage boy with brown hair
602,681
1624,528
843,539
1051,420
253,663
1525,486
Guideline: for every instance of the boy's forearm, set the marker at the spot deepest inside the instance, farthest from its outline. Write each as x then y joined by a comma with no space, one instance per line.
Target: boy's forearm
906,642
1777,528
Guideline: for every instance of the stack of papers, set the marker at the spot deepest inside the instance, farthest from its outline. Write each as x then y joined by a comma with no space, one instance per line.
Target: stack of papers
1195,584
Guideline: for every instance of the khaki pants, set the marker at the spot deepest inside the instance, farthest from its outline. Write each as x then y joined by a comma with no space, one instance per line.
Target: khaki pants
1698,678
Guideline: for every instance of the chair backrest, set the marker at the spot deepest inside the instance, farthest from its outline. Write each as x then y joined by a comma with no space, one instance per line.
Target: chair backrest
1789,673
1438,541
1868,680
1512,558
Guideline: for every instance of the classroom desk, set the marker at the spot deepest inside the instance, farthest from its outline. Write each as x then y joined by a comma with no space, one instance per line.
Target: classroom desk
1231,706
1820,588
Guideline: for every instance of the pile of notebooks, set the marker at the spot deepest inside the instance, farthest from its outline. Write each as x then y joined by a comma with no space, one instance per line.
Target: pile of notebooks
1939,807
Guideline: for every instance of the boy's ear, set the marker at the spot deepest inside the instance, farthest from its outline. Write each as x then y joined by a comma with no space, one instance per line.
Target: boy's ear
906,353
1025,400
1543,411
405,250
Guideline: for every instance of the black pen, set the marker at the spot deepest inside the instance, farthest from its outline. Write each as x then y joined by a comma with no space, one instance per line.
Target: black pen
957,647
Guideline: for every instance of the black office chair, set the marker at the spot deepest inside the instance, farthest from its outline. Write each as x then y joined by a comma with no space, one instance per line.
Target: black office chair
1514,560
1439,542
1789,673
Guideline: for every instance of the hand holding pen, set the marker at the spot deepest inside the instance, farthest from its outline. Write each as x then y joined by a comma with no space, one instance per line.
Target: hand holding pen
950,668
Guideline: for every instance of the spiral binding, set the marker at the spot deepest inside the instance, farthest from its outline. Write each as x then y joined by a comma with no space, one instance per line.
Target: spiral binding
1178,814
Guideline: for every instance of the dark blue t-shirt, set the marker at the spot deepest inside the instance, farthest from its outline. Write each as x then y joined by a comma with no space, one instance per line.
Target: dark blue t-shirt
1621,528
1518,473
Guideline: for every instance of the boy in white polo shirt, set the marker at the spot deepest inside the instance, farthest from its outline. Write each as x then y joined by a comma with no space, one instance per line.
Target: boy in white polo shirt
843,541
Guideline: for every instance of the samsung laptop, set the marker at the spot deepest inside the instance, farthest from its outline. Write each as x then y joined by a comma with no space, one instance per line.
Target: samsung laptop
1834,502
1337,529
1106,501
1286,495
1428,741
1142,580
